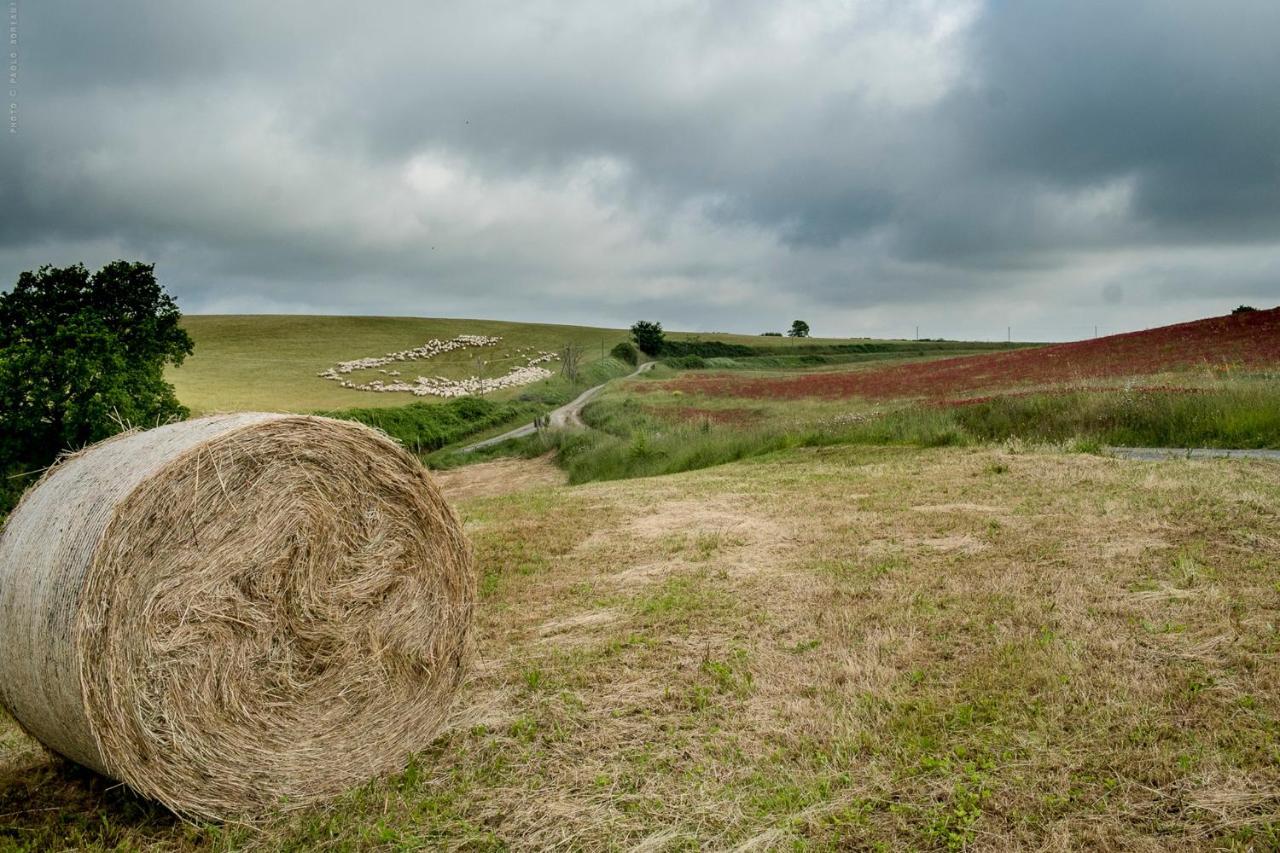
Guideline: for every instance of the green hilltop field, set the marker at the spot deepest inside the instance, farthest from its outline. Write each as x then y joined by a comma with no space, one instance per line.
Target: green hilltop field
271,362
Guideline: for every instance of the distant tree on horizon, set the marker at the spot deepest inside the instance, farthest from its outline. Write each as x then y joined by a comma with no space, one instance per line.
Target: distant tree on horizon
799,329
648,337
1244,309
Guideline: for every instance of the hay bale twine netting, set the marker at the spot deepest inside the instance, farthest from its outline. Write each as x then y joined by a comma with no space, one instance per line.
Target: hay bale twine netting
235,613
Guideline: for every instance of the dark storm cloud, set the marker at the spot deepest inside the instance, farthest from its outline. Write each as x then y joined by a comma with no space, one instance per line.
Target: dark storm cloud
714,163
1179,94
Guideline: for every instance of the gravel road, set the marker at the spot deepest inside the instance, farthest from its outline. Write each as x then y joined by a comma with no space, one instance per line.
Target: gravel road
568,416
1156,454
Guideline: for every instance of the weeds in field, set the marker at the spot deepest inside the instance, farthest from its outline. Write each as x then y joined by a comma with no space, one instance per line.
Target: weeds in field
631,438
1244,413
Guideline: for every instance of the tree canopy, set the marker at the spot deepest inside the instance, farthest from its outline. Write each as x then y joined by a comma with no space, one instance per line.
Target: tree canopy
799,329
82,356
648,337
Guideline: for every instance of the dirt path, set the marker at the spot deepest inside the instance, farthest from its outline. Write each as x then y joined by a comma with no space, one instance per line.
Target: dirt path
568,416
1157,454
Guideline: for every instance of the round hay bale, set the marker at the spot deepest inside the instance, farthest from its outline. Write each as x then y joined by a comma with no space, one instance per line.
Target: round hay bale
236,613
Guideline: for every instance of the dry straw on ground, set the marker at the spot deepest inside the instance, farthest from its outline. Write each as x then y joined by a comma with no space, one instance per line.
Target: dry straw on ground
235,613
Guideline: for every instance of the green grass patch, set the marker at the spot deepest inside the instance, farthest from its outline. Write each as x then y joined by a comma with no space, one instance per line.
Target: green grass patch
787,361
1244,414
424,427
818,350
270,362
628,439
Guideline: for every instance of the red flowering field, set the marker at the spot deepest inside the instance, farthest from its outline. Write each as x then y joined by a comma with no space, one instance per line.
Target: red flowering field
1248,340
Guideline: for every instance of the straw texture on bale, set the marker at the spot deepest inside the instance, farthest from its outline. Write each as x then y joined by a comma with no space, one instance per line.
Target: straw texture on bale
236,613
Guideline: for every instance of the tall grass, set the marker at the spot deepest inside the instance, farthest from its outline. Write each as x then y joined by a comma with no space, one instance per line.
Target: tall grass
627,440
1243,415
648,451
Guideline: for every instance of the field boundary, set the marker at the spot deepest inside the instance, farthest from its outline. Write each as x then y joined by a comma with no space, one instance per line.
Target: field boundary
1158,454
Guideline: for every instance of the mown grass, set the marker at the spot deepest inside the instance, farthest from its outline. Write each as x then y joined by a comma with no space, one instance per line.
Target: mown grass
828,649
954,643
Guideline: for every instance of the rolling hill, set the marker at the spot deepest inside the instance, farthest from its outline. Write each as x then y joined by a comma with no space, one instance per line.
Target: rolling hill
272,362
1237,341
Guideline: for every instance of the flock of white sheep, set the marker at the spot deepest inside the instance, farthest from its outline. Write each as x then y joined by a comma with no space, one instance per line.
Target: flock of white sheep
442,386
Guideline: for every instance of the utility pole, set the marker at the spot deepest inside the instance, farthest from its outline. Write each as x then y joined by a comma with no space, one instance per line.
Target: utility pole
1008,334
917,333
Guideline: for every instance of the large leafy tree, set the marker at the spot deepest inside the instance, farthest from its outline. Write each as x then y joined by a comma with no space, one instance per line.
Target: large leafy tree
648,336
82,356
799,329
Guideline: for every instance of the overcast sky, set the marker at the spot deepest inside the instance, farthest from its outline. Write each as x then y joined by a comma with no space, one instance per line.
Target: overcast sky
866,166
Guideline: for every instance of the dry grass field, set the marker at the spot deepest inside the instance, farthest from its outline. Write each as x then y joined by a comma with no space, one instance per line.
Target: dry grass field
825,648
853,620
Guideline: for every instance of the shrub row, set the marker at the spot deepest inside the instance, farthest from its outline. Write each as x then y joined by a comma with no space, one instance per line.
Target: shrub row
708,349
810,354
423,427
